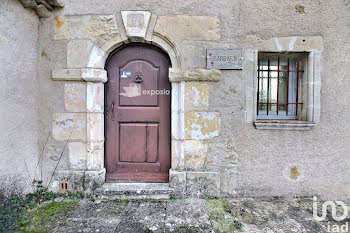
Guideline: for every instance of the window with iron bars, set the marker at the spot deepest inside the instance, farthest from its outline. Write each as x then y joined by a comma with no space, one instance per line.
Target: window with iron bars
280,91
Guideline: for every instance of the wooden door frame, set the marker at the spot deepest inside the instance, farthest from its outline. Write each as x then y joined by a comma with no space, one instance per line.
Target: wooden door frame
113,59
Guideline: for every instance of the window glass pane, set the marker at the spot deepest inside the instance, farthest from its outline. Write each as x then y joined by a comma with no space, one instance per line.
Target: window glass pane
263,90
282,91
273,87
283,63
263,64
274,63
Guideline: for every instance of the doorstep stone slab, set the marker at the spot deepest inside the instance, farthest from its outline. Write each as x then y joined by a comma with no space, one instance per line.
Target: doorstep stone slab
134,189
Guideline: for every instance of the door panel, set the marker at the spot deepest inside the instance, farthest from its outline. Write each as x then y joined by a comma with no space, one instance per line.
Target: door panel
152,143
137,124
149,76
132,141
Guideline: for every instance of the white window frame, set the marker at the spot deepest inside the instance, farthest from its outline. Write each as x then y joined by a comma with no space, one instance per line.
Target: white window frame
311,111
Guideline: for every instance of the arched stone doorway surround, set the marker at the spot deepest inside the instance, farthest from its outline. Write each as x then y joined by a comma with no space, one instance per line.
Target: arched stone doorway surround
87,51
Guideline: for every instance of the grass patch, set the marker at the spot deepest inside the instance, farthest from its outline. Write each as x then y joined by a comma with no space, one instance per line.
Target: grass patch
44,214
221,216
13,210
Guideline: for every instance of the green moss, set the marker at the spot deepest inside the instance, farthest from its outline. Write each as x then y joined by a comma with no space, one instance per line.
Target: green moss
125,202
46,213
221,216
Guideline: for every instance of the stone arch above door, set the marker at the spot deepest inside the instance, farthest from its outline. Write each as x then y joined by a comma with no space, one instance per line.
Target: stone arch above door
90,39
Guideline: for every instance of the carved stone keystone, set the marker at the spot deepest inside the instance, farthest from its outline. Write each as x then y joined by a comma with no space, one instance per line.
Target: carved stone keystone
136,24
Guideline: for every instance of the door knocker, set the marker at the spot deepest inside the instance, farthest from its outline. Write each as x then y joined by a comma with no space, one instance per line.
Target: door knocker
138,78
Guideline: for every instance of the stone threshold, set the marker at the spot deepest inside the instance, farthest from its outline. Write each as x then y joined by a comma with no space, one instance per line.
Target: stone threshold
283,125
134,191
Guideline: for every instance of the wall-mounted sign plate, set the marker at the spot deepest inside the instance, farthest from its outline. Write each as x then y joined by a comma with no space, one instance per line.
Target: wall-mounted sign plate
224,59
125,74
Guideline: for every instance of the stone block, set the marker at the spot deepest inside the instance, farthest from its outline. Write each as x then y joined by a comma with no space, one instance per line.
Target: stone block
95,97
94,75
109,42
202,125
150,29
67,75
69,124
29,3
95,127
176,96
77,155
195,153
177,130
196,96
291,44
204,75
177,159
97,58
177,181
189,27
199,184
75,180
168,47
95,155
178,75
75,97
94,179
136,24
42,11
78,53
83,26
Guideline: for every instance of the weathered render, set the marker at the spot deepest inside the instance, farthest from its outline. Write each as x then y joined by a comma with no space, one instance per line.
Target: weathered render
216,149
19,117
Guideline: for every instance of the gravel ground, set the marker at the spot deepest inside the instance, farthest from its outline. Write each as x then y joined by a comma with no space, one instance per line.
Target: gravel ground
182,215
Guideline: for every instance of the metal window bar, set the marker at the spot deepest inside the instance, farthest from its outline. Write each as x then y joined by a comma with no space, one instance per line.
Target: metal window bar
257,106
278,83
287,88
277,103
297,93
268,87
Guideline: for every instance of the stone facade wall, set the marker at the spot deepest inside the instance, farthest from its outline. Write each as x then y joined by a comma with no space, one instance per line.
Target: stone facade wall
216,149
18,97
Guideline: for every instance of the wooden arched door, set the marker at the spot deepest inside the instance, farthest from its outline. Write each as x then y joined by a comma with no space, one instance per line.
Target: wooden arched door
137,115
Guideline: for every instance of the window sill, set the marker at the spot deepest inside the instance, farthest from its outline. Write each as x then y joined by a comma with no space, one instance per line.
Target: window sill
283,125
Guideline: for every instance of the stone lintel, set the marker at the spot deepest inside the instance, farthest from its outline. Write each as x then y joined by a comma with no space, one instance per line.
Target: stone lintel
178,75
85,74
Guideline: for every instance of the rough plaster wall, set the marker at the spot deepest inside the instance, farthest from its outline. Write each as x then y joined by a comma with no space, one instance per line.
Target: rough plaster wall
51,55
18,96
257,163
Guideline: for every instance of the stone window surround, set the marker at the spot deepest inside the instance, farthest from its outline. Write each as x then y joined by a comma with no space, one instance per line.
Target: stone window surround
93,174
313,45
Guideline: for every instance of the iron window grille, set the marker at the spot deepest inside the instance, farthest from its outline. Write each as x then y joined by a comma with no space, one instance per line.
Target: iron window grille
279,92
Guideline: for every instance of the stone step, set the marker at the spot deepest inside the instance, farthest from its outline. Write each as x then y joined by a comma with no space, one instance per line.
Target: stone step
134,191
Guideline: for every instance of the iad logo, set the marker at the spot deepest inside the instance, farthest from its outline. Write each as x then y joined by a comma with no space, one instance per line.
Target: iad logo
335,206
334,210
